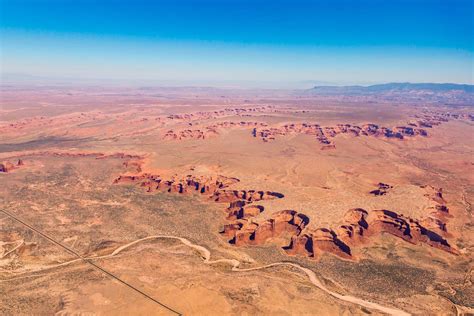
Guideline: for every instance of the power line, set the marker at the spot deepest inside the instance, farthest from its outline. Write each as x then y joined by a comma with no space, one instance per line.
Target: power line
89,261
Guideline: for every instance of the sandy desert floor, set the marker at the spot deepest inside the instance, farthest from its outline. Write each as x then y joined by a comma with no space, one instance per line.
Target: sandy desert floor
169,201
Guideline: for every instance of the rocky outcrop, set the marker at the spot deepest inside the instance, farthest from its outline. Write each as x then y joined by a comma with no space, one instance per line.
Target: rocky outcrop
215,188
240,208
269,134
187,184
232,124
313,243
243,212
287,222
119,156
408,131
190,134
439,213
435,194
244,195
430,118
322,134
405,228
382,189
360,225
399,132
207,131
205,115
7,166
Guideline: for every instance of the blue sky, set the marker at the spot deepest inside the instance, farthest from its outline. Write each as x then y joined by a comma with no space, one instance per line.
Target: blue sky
338,41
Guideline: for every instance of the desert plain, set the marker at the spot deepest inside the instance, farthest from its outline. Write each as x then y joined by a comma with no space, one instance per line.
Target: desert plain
162,201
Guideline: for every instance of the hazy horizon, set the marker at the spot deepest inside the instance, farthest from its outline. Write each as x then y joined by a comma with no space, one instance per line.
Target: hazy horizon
251,44
28,79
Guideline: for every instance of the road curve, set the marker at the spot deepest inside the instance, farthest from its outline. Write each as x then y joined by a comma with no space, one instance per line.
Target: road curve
206,256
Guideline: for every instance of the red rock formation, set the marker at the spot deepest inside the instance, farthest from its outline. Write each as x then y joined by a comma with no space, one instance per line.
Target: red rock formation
245,195
358,225
244,212
118,155
382,189
253,233
231,229
7,166
439,214
188,184
242,231
406,228
361,225
322,133
207,131
205,115
434,223
430,118
435,194
190,134
313,243
269,134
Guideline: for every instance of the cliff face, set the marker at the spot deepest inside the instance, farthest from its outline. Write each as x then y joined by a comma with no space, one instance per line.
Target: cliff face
257,233
360,229
322,134
205,132
359,226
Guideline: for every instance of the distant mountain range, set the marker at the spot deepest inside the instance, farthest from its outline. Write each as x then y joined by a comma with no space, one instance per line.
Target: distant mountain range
393,87
433,93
